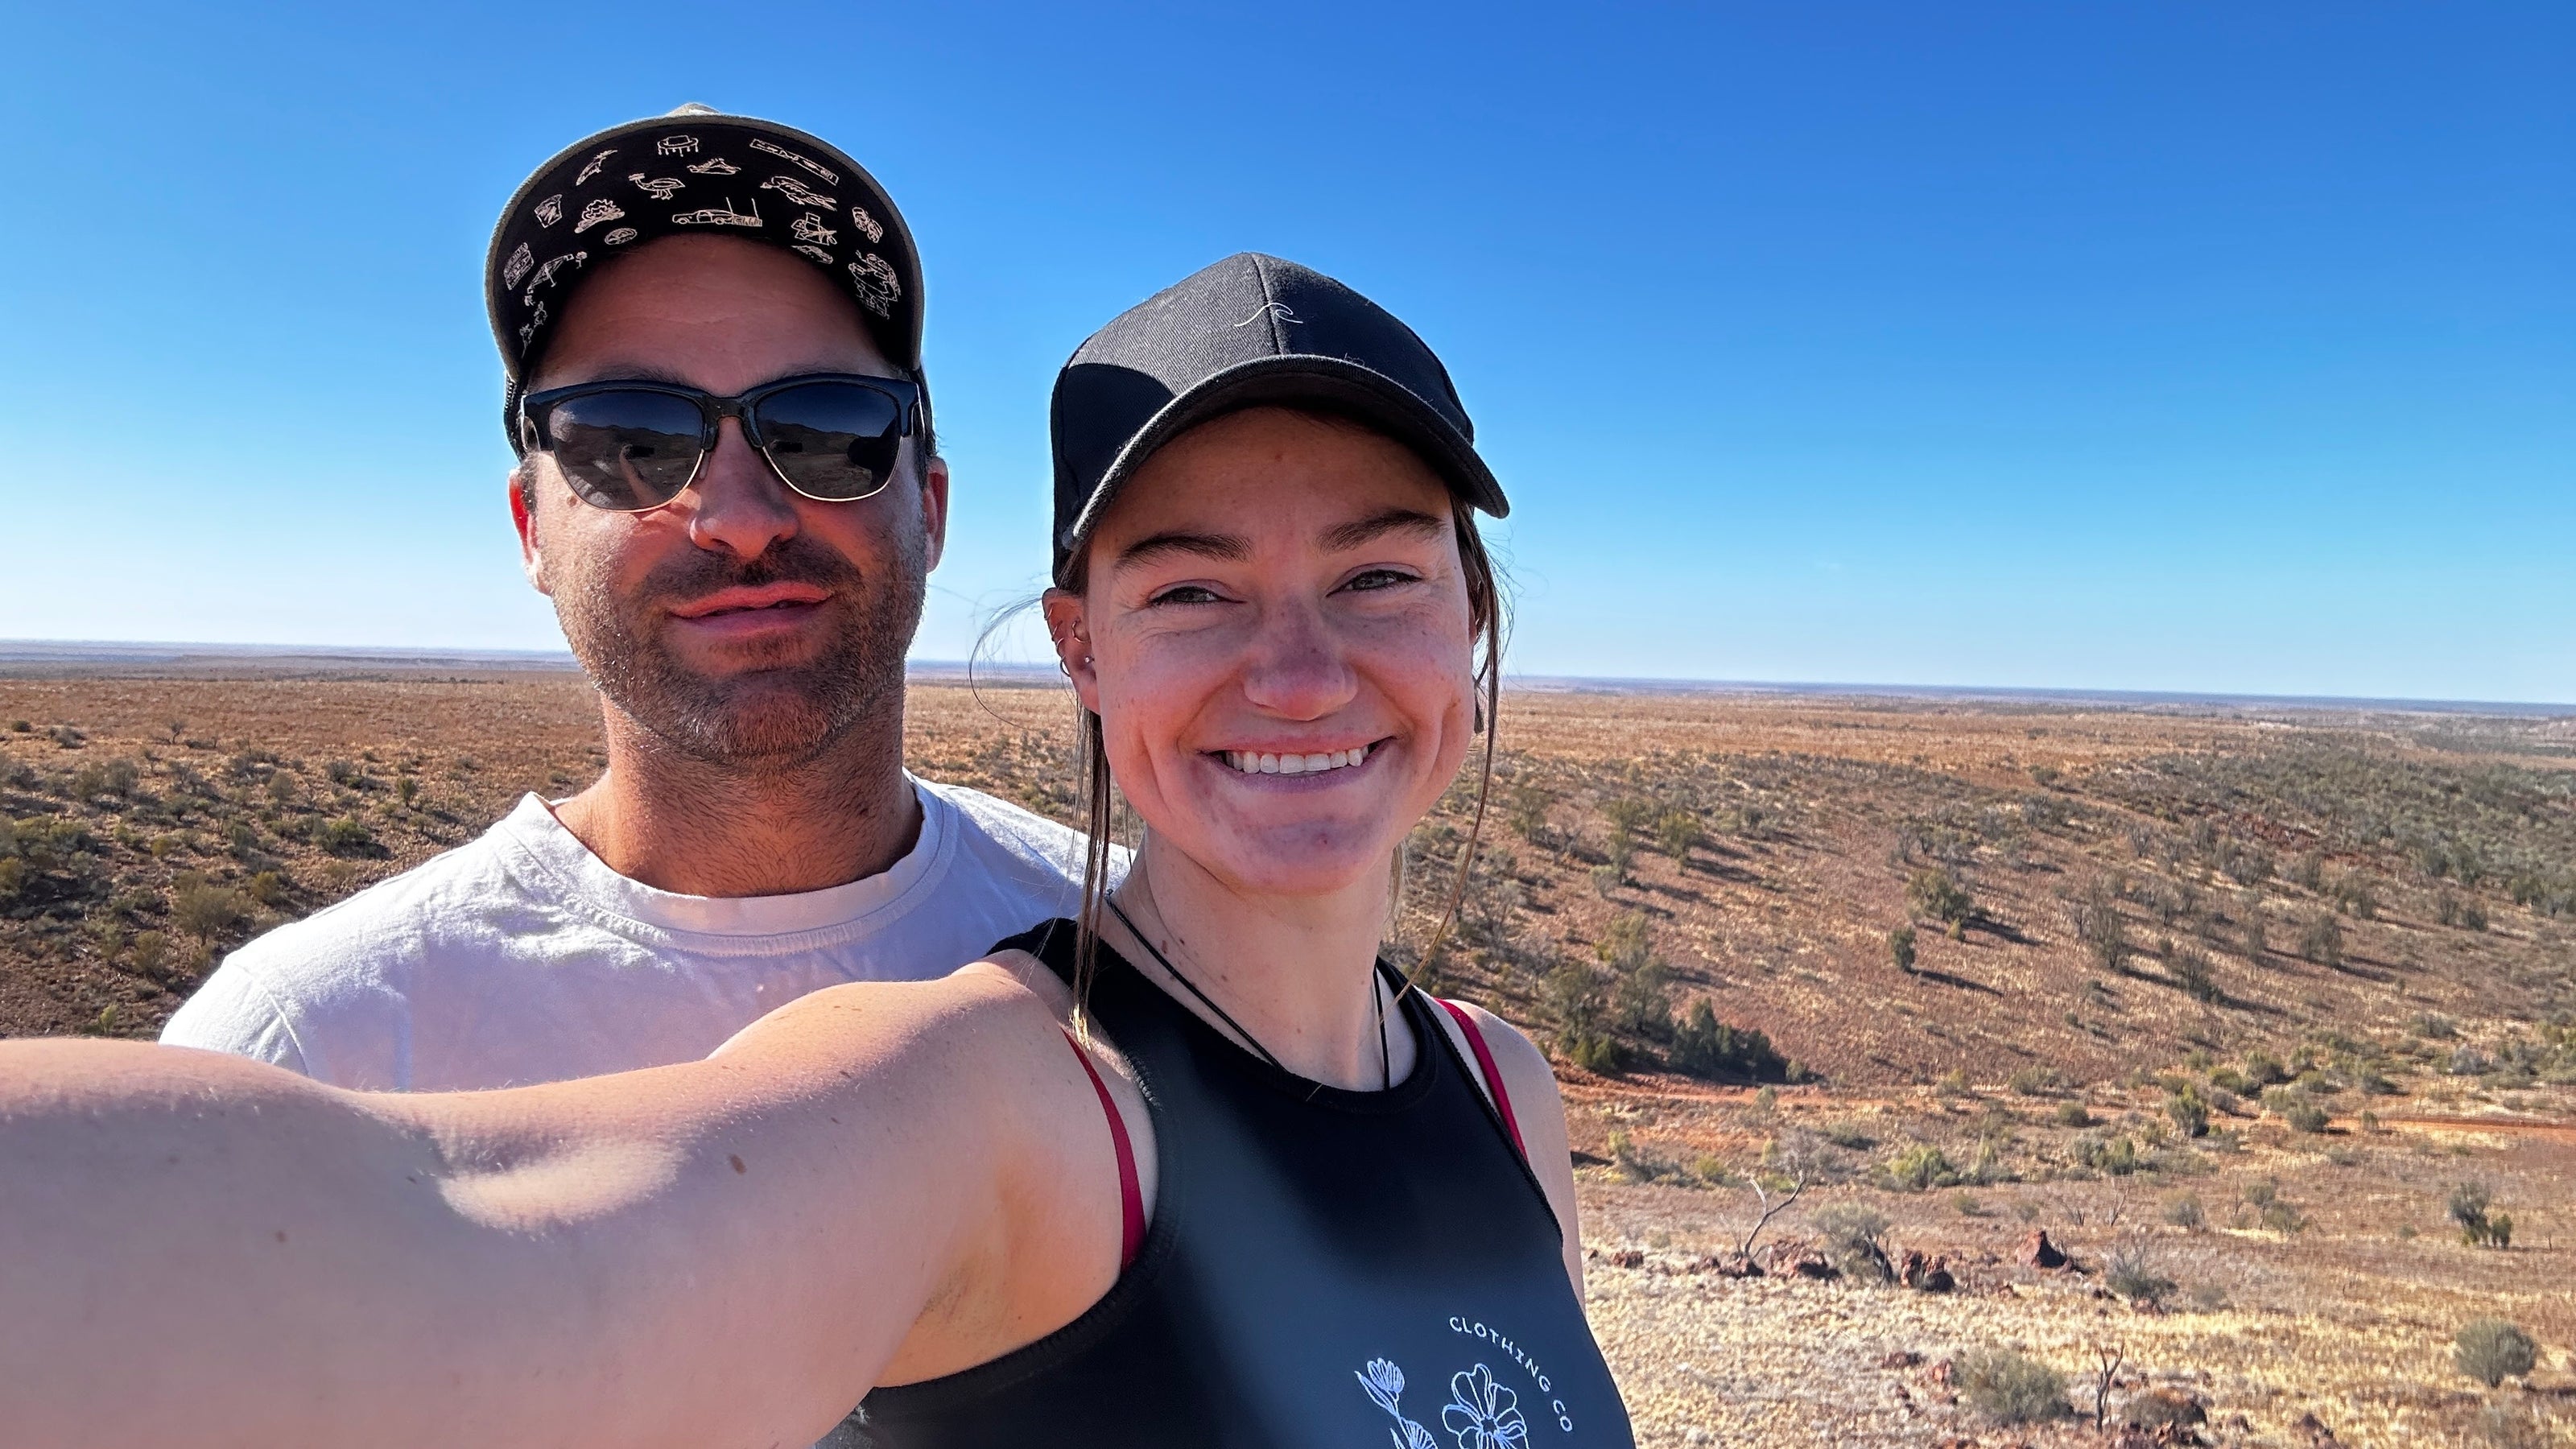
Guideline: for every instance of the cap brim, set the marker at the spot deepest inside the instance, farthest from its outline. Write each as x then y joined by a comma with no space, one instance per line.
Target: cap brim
1300,380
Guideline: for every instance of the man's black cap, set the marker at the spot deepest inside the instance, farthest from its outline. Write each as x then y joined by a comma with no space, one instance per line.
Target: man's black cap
696,172
1248,331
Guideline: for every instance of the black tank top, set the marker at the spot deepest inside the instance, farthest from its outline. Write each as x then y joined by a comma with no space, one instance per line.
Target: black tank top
1324,1268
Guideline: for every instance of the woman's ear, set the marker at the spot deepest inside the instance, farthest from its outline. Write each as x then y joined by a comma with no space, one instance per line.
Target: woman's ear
1069,626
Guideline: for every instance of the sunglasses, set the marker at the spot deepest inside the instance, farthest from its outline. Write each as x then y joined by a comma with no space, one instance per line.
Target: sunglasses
630,446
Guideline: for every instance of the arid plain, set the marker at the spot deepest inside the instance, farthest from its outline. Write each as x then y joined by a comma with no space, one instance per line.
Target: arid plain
2257,1015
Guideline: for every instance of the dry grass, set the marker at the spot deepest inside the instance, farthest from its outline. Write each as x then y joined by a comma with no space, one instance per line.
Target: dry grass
1808,820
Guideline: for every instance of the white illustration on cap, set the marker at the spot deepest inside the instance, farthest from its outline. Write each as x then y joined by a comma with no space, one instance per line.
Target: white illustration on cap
676,146
810,227
798,192
592,169
550,210
546,274
595,212
720,216
830,176
867,225
714,166
877,285
660,188
817,253
621,236
521,262
536,320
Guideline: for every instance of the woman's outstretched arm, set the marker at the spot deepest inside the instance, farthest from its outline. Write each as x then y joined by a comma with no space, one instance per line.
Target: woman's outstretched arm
200,1250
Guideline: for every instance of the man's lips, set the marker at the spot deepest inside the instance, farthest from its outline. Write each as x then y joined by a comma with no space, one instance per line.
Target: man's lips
786,599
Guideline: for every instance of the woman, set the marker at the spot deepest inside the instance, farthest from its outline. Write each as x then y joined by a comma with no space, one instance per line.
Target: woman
1195,1170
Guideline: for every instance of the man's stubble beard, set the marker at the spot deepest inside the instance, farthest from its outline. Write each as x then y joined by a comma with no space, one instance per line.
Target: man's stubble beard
756,718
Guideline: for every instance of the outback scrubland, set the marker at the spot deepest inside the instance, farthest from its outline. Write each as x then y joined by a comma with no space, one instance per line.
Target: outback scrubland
1939,1072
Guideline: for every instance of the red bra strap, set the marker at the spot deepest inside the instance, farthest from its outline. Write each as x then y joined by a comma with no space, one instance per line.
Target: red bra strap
1131,1196
1493,1075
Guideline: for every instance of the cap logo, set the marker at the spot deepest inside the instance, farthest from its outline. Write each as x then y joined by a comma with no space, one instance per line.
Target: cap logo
867,225
660,188
713,166
798,192
516,269
546,274
877,285
676,146
817,254
550,210
1280,310
595,212
810,228
592,169
830,176
723,215
621,236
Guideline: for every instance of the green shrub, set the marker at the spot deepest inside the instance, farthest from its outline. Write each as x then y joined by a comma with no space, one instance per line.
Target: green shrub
2012,1388
1704,1046
2189,1113
1920,1168
2183,1210
2073,1114
1678,833
147,951
1900,948
1855,1237
2491,1350
348,835
2322,941
207,912
2304,1115
1938,894
2036,1081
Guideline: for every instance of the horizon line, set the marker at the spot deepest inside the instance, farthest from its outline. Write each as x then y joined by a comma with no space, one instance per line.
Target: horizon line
168,652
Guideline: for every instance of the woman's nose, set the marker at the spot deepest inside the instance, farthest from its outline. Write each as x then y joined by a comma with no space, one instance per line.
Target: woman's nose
1297,669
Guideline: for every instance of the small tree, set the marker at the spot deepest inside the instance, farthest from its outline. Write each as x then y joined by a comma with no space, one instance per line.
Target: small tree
2101,927
1900,948
1939,895
2107,1359
1777,1185
2322,941
2491,1350
1677,833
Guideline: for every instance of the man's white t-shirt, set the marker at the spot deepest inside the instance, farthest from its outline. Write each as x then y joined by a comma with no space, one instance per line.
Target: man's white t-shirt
522,958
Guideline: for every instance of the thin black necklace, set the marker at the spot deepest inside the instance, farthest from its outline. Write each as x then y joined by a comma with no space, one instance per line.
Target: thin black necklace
1377,999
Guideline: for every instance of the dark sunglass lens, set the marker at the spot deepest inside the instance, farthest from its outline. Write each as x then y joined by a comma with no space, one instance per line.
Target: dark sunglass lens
834,441
626,449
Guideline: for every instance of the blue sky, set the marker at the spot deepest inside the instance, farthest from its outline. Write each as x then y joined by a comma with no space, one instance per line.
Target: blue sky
2171,346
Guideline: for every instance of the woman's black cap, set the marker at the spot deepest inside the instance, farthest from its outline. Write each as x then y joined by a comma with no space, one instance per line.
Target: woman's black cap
1248,331
696,171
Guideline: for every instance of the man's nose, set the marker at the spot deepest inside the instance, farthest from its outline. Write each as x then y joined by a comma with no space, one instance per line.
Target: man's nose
741,506
1297,669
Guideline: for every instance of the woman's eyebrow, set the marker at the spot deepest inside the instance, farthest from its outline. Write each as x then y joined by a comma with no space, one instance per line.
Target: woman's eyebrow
1227,547
1361,532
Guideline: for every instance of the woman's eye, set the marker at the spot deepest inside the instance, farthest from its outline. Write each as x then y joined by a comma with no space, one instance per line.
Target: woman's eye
1372,579
1185,594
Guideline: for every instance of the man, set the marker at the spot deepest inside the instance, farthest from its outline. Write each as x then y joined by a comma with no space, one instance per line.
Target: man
739,567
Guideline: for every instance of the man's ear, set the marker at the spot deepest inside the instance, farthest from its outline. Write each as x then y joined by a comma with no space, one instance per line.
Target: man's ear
1069,626
523,517
934,508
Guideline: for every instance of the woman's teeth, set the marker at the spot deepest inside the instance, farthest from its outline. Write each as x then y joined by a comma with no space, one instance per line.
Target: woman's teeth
1251,763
